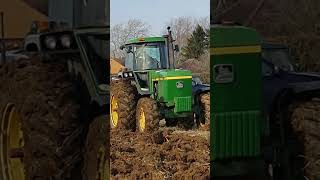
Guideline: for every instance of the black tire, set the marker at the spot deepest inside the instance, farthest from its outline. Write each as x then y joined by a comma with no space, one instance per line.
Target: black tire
186,123
126,96
204,119
97,146
149,108
305,121
170,122
45,99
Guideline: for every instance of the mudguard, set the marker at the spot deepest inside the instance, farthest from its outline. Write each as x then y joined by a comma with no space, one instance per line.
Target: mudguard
301,87
198,87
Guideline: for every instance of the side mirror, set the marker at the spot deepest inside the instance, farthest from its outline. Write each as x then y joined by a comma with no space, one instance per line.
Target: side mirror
176,48
129,49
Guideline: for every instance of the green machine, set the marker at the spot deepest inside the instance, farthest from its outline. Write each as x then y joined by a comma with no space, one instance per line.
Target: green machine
235,126
150,88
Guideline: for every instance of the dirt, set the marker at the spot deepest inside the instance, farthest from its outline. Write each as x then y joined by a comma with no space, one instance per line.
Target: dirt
306,124
45,99
169,153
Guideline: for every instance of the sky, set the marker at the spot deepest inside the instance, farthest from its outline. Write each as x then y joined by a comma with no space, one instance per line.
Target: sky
157,12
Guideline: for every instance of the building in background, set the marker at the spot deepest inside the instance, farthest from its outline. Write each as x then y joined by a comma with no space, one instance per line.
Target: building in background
115,66
18,16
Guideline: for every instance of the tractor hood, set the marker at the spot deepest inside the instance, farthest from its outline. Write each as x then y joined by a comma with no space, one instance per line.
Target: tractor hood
172,74
172,87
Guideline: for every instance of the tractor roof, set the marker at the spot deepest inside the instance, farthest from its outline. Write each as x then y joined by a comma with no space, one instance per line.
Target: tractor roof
231,35
145,39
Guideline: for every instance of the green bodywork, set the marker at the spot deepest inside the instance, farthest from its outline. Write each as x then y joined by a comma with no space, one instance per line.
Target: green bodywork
171,88
236,101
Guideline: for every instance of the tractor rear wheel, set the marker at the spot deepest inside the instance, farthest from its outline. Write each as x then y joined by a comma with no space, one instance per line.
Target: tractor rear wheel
40,121
96,164
123,101
147,115
305,120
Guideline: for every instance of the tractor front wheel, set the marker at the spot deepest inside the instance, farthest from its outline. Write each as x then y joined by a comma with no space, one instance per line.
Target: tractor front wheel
122,106
96,164
147,115
40,121
305,122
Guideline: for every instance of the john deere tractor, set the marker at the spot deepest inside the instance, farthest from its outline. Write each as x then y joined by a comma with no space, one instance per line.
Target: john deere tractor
264,114
150,88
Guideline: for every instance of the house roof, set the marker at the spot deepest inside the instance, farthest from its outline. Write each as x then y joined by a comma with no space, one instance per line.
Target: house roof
39,5
18,17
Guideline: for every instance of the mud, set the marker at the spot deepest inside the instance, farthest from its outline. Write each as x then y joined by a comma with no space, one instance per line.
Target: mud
306,124
165,154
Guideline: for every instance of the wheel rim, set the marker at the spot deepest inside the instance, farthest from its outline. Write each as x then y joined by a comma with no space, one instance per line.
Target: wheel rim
142,120
102,164
114,112
12,167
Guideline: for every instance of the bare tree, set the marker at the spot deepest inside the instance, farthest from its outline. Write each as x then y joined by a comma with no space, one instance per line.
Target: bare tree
121,33
204,22
182,28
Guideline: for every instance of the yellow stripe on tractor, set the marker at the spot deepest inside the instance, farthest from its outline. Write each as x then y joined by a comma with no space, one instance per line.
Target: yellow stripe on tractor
235,50
172,78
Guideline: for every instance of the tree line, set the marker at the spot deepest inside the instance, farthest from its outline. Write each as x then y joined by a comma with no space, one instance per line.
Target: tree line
191,34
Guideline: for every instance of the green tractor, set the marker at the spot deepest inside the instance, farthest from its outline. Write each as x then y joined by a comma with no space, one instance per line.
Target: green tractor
150,88
264,114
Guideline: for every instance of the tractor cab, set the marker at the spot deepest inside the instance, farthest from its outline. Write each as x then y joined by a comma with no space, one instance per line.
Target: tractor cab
150,58
142,55
148,53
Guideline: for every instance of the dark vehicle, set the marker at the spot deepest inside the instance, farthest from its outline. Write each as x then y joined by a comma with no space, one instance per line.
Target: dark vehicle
285,92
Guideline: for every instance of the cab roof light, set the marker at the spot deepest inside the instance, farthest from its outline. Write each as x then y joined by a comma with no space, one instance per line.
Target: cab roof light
141,39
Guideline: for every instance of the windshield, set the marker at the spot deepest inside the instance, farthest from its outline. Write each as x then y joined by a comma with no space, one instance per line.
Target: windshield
278,57
96,46
147,56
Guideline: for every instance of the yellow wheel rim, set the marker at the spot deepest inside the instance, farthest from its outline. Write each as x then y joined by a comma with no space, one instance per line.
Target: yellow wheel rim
102,165
12,146
142,120
114,112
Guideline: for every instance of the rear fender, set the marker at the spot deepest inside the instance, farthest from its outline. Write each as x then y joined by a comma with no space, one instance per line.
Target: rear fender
305,87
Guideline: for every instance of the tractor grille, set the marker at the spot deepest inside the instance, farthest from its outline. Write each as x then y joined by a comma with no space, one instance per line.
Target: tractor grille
236,134
182,104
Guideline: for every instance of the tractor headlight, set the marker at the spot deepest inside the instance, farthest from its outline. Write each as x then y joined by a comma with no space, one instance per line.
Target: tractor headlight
130,74
65,41
50,42
125,75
